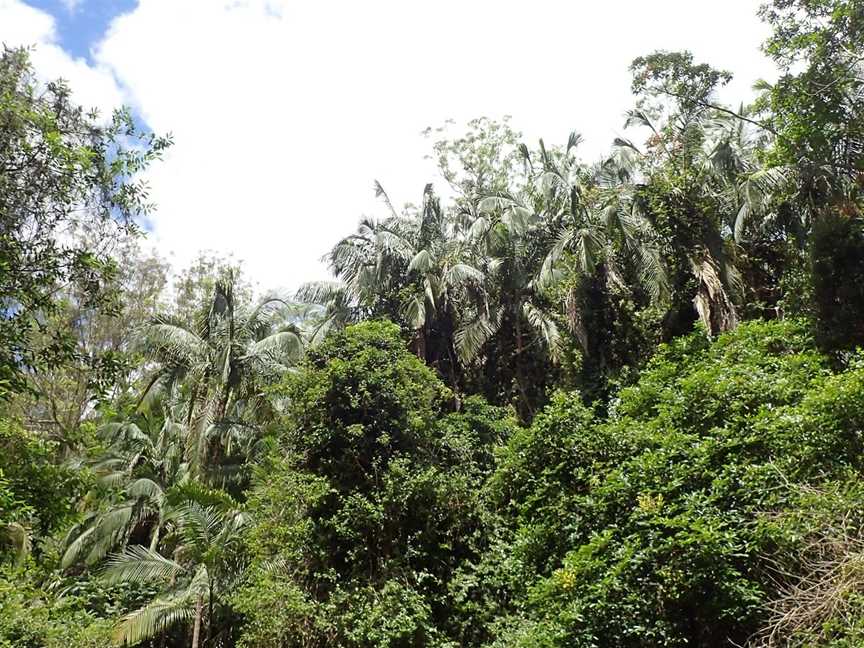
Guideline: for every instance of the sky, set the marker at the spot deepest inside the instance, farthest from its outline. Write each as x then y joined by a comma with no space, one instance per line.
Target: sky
284,112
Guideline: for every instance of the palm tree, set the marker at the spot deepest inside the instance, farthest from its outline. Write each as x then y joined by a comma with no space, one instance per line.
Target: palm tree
457,278
508,322
595,225
699,155
212,374
144,466
410,267
331,305
441,280
205,564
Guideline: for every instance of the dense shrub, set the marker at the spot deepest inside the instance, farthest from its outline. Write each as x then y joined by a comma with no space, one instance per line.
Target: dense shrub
370,502
837,259
678,519
37,493
665,524
31,619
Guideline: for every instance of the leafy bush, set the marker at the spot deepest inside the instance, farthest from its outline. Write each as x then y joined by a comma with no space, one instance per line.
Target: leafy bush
31,619
370,503
659,526
36,492
837,258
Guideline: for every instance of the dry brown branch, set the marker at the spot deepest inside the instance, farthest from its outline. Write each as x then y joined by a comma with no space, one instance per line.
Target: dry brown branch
824,587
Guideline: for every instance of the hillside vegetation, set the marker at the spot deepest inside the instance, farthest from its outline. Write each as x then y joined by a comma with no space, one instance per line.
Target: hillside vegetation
552,404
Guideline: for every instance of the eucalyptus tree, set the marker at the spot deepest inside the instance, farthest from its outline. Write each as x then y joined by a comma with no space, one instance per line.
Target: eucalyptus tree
105,365
62,169
200,565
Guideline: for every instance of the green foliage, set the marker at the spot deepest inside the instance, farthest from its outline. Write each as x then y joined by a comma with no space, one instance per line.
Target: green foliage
201,565
207,376
674,75
816,104
365,396
105,365
36,492
61,171
30,619
837,260
276,475
659,526
382,505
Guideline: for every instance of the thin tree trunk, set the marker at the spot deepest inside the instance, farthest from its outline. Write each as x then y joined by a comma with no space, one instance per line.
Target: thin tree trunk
454,380
196,629
517,372
154,539
192,399
209,614
420,343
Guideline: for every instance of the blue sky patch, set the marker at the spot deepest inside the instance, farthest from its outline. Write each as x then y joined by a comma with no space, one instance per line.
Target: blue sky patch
81,24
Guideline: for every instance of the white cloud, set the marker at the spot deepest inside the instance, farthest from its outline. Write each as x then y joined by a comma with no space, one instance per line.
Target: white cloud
92,86
283,112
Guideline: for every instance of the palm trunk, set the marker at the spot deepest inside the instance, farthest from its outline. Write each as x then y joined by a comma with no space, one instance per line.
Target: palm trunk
196,629
154,539
517,373
209,614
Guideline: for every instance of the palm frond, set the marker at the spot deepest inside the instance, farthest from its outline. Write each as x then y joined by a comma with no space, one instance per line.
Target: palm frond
380,193
94,542
421,262
652,273
139,564
414,311
320,292
145,488
471,337
165,340
545,327
156,617
285,345
461,273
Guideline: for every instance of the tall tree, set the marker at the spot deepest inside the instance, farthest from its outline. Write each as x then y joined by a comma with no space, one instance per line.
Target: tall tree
61,169
104,368
210,376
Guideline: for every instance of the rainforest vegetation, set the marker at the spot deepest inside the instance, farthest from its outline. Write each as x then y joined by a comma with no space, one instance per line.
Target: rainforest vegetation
553,403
